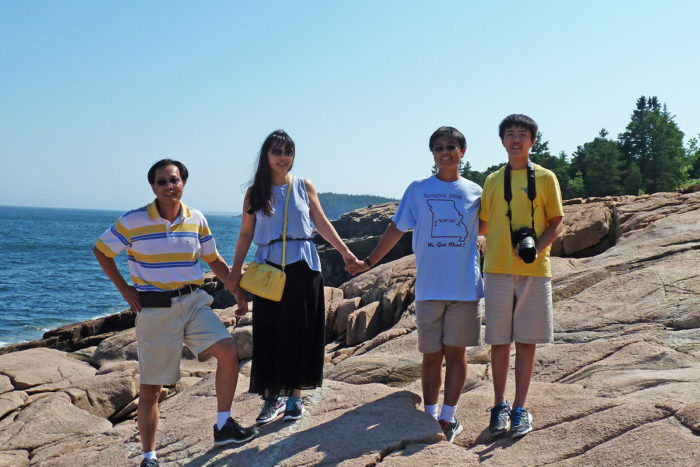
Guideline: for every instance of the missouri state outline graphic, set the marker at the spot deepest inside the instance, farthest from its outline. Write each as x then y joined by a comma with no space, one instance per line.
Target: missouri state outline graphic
447,221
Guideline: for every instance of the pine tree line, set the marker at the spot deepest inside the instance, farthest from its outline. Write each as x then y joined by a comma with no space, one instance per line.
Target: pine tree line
649,156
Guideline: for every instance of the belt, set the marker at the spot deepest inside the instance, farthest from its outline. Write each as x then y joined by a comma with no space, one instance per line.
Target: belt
172,293
163,299
182,290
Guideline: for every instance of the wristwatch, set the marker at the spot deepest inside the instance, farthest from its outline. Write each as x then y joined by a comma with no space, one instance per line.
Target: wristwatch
367,261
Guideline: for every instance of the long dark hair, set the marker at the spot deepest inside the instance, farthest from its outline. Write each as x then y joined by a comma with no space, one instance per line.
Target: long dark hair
261,184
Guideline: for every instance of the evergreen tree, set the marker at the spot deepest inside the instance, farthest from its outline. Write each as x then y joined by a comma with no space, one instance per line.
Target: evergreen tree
693,158
576,186
473,175
539,154
653,141
634,182
599,162
476,176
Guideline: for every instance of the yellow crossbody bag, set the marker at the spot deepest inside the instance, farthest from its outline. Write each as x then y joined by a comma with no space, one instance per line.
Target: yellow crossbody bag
264,280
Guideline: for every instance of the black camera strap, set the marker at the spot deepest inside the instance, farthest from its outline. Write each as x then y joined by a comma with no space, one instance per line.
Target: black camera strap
531,192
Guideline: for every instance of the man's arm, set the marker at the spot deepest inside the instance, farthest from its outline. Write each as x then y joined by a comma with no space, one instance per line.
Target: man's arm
222,271
220,268
110,268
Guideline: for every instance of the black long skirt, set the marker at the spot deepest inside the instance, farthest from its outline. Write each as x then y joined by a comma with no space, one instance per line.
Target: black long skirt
289,336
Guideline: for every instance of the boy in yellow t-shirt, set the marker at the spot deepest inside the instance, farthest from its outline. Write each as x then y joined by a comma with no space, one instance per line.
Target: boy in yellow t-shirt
520,203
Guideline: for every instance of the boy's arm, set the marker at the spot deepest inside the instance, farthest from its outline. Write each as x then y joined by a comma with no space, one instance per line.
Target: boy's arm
550,233
390,237
483,227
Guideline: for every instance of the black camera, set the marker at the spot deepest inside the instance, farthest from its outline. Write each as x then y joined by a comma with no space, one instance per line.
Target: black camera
524,239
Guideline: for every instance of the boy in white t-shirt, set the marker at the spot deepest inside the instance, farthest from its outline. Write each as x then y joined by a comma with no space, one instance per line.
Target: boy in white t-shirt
443,211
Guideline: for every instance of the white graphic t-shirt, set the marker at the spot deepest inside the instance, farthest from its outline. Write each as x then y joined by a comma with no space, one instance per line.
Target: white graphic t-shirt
444,217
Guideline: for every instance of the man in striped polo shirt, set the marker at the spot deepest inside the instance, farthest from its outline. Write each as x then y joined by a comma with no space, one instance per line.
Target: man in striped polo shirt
164,241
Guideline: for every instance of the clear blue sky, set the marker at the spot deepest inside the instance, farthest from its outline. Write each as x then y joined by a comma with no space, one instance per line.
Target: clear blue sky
92,93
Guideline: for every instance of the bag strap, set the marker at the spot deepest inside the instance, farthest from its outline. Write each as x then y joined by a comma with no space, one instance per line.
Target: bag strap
284,229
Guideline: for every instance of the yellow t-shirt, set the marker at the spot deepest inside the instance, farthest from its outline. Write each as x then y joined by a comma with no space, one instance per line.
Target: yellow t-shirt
499,257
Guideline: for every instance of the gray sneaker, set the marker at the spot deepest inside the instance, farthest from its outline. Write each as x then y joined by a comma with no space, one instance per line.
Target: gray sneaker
520,422
270,410
450,429
500,419
232,432
149,463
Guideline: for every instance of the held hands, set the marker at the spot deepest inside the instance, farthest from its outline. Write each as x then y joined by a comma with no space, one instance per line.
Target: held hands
241,301
354,266
132,298
232,283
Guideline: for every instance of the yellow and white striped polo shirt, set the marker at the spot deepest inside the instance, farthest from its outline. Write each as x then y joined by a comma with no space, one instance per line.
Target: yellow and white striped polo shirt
161,255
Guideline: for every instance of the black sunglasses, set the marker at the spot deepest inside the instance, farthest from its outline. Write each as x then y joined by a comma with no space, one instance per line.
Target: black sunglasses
278,152
164,182
448,148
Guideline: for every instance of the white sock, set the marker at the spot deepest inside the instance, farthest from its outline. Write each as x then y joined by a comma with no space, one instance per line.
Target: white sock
221,418
448,413
149,455
432,410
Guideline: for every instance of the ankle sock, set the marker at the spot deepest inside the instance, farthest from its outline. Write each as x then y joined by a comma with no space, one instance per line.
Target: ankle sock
448,413
221,418
149,455
432,410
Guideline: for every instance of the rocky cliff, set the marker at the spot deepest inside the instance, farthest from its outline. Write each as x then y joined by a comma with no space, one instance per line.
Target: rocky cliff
620,385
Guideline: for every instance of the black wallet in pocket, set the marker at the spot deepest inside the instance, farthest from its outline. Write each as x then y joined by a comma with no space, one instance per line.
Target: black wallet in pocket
155,299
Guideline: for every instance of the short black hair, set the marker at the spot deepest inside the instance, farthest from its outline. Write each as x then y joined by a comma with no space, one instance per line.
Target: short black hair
448,132
517,120
164,163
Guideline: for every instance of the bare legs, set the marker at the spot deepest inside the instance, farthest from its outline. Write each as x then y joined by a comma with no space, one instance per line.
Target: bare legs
455,374
147,414
225,382
524,366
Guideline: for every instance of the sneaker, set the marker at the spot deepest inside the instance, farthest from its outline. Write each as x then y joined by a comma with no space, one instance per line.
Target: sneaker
149,463
450,429
296,412
520,422
500,419
232,432
270,410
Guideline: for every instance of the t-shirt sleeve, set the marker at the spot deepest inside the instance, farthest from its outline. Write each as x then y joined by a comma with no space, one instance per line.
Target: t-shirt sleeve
114,240
483,208
554,207
208,251
405,216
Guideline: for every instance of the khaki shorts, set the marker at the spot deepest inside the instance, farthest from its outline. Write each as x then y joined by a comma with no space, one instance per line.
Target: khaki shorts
445,322
518,308
162,331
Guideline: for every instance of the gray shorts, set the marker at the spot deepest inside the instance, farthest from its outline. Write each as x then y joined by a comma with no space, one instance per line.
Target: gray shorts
445,322
160,333
518,308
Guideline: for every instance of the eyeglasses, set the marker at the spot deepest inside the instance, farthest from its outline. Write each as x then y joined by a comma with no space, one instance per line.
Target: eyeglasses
448,148
278,152
164,182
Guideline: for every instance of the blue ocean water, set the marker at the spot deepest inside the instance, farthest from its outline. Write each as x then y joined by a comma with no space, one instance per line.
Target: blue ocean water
49,276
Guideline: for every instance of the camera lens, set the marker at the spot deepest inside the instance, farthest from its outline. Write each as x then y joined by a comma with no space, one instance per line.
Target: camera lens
527,249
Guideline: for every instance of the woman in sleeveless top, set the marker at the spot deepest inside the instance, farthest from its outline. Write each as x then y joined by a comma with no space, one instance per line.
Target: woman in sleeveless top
288,336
